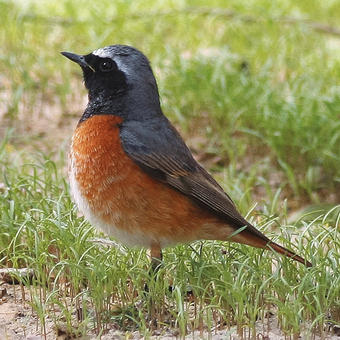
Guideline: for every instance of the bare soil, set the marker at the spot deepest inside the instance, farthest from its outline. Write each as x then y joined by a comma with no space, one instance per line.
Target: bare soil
19,322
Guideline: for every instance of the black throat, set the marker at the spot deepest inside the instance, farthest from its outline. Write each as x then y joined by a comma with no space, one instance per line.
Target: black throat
113,104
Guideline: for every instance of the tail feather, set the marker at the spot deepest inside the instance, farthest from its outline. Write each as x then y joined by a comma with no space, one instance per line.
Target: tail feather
253,237
281,250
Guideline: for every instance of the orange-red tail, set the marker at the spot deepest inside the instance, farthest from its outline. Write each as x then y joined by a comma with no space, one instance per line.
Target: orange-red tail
279,249
253,237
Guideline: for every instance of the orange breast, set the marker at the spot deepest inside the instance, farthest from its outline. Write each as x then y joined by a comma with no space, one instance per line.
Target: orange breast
121,199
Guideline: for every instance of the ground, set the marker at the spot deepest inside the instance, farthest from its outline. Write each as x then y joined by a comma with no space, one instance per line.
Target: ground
19,323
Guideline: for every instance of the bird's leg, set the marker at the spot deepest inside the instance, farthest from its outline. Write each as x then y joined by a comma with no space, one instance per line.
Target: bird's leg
156,262
156,258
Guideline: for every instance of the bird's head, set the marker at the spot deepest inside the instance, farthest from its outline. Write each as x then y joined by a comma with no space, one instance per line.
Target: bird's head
117,77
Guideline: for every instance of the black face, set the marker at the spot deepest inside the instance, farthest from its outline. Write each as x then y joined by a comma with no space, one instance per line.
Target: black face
120,82
102,76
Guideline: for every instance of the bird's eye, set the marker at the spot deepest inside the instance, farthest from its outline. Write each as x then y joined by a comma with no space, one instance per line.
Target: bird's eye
106,66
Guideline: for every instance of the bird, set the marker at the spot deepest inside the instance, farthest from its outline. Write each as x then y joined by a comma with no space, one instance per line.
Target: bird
131,173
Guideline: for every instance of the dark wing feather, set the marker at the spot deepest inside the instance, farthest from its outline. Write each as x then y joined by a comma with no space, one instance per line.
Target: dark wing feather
160,151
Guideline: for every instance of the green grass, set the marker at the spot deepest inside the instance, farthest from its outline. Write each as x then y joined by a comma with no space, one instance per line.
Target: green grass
258,101
231,284
257,89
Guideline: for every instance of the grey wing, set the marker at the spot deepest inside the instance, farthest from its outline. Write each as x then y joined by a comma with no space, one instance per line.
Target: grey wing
160,151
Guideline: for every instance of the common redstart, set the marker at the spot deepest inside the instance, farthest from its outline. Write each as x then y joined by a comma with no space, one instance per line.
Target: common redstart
132,175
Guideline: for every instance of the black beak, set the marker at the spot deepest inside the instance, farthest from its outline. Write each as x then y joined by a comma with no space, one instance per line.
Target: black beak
79,59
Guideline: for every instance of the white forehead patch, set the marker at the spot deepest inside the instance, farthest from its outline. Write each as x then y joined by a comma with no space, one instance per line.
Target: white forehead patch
102,53
107,53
